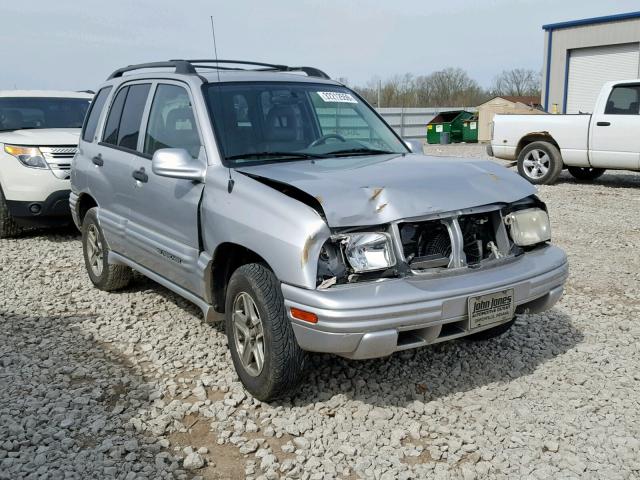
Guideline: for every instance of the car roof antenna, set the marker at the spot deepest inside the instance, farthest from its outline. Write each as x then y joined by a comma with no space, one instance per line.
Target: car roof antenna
215,47
215,53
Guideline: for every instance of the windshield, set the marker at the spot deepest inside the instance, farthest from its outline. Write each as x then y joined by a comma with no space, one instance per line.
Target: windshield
20,113
269,122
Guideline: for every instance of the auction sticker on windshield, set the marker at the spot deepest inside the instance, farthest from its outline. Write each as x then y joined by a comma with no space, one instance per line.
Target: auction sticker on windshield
338,97
491,308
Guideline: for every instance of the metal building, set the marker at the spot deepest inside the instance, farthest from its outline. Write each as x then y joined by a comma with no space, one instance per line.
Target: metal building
581,55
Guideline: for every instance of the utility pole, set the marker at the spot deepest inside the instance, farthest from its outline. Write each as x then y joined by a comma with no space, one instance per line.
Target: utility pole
379,88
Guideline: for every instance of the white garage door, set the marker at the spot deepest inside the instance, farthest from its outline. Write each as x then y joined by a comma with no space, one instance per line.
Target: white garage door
590,68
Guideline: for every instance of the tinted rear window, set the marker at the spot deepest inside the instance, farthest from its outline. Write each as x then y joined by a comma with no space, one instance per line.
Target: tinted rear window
132,116
113,120
94,114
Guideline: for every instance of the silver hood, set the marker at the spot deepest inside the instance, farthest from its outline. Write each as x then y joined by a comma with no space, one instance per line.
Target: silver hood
372,190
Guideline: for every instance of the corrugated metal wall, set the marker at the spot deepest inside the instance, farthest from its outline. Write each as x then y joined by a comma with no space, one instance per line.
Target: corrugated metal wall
566,39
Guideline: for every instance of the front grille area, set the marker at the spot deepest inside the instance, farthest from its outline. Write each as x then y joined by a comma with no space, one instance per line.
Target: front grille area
59,159
465,240
478,233
426,244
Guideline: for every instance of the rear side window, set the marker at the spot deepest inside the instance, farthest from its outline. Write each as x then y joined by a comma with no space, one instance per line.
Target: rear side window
624,100
171,122
123,122
93,116
129,128
113,120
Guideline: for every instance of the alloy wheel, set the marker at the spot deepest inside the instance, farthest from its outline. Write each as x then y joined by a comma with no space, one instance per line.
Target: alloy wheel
536,164
248,333
95,250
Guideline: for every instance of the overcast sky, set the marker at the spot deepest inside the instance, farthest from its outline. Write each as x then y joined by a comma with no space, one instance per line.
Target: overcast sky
65,44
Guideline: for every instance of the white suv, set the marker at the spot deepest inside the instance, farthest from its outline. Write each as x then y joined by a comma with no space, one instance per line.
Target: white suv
39,133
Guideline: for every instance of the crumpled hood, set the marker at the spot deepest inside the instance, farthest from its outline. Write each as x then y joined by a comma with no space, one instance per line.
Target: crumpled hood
42,136
372,190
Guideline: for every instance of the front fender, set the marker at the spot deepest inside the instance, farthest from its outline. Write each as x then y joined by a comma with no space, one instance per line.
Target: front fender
286,233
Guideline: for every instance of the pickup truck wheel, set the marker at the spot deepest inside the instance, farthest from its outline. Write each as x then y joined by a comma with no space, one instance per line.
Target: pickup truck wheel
586,173
104,275
8,226
540,163
263,347
491,332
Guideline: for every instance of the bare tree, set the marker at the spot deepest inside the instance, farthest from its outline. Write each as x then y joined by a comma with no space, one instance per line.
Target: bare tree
451,87
518,81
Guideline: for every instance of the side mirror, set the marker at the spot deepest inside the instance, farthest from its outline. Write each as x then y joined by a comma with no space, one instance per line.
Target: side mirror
416,146
177,163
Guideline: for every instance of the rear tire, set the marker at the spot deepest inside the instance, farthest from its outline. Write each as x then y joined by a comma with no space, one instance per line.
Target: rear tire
540,163
586,173
264,350
103,275
491,332
8,226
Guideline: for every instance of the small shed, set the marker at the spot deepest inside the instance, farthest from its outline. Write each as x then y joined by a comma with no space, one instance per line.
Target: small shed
504,105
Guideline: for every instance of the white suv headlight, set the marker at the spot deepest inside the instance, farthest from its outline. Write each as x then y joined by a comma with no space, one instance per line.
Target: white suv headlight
28,156
529,227
369,251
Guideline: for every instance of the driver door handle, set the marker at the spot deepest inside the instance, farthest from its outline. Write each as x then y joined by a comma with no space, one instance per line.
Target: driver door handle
140,175
603,124
97,160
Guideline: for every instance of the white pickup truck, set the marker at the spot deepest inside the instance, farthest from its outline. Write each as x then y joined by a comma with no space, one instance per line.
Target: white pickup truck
585,144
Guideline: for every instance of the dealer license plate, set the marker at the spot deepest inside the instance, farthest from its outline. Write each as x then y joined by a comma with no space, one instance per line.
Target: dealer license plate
496,307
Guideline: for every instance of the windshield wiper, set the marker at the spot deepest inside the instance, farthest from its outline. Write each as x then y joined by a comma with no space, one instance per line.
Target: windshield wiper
287,155
360,151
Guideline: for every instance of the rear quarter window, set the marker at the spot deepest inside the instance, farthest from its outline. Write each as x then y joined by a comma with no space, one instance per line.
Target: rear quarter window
91,124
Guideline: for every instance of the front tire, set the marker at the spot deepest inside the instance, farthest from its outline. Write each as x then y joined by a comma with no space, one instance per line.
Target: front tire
540,163
8,226
263,347
103,275
586,173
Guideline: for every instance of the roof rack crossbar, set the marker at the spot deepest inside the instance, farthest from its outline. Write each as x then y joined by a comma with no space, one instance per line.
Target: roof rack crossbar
189,67
310,71
181,66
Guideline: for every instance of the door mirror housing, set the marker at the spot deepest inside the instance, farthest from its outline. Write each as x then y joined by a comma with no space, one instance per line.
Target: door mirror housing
177,163
416,146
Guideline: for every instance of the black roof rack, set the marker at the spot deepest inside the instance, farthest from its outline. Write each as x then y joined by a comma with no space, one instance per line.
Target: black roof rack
189,67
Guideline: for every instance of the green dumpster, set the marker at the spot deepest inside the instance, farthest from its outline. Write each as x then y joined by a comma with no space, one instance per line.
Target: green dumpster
447,122
470,129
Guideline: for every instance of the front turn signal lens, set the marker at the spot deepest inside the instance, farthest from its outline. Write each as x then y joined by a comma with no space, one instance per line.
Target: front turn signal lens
303,315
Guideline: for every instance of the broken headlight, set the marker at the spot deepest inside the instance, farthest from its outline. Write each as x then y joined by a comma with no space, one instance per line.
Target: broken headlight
529,226
368,251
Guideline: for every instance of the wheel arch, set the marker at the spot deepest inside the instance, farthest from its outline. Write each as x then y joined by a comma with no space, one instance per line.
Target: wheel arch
535,137
227,258
84,204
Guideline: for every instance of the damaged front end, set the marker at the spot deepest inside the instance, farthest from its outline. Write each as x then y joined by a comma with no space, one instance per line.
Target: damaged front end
438,244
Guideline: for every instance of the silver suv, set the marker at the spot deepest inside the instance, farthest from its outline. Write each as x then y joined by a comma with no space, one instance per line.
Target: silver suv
281,199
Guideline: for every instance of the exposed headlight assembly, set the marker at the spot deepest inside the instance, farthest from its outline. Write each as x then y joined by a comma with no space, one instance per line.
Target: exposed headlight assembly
528,227
368,251
29,156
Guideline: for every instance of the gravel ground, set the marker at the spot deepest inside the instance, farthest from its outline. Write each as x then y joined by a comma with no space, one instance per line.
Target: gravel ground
134,385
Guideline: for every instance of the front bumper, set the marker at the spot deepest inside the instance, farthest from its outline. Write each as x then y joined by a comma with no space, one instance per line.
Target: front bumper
52,210
375,319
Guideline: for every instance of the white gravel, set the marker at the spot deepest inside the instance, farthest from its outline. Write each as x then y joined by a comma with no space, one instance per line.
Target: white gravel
135,385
